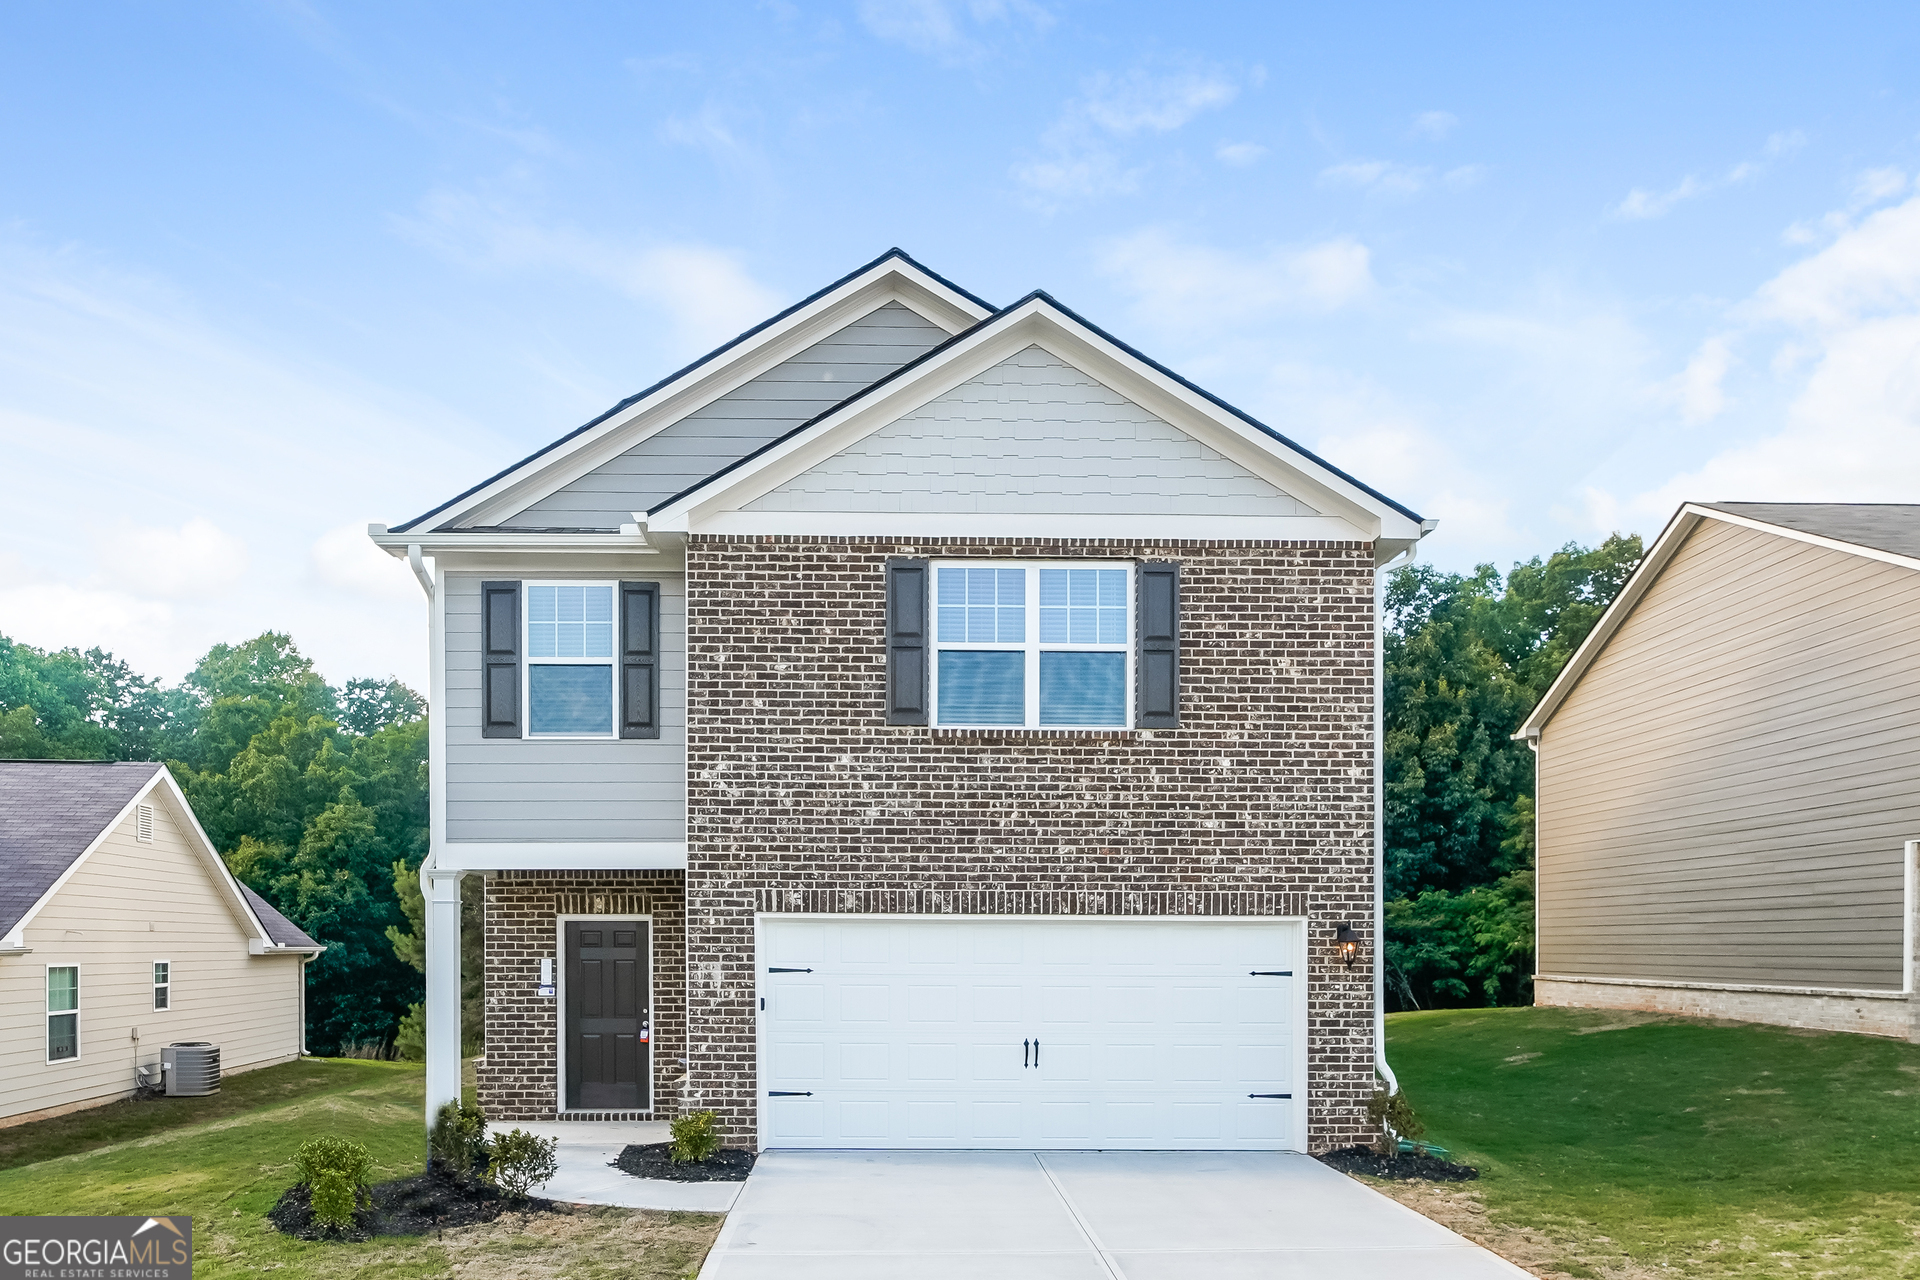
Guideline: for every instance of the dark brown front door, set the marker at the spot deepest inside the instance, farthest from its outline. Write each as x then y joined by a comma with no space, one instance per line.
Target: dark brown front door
607,1029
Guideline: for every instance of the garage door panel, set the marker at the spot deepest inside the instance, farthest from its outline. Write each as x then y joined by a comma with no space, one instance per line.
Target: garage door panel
1139,1028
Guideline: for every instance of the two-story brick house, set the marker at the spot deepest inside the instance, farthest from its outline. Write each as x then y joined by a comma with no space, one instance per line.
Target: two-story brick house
915,724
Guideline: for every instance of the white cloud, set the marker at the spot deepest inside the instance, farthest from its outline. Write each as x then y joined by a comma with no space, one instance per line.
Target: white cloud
1380,177
706,292
1239,154
1642,204
1869,188
344,557
1845,424
1180,285
953,31
196,561
1080,156
1435,124
1699,388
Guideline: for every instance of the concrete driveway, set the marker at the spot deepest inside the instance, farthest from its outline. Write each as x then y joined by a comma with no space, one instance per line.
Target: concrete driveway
1078,1215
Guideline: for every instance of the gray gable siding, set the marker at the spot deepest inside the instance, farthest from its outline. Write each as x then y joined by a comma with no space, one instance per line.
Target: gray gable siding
739,422
518,789
1033,434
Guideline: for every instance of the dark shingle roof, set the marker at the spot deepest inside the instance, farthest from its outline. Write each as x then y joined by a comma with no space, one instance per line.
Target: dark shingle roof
50,811
282,930
1884,526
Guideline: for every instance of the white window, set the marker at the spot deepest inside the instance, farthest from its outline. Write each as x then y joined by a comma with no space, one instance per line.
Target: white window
63,1012
162,985
570,686
1040,646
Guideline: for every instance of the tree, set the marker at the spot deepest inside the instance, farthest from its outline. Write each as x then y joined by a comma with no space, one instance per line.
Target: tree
1467,657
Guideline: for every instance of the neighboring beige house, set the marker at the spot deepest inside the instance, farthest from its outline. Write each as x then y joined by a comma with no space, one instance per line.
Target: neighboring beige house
121,932
1729,775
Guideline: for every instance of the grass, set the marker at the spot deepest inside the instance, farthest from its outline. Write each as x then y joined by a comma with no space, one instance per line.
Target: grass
1624,1145
226,1159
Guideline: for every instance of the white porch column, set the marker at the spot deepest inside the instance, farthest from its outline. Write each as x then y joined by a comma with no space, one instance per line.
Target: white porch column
442,891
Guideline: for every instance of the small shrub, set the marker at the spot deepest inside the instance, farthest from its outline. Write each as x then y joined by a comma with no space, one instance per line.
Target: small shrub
518,1161
696,1136
458,1141
335,1173
1396,1118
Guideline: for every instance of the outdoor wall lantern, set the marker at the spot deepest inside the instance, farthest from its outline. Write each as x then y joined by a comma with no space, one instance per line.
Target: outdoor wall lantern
1347,943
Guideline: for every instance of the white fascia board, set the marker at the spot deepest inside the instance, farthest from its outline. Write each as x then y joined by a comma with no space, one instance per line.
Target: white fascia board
1126,528
1642,579
558,855
435,544
1037,323
890,281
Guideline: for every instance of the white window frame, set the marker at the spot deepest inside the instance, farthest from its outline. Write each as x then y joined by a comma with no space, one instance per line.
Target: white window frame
611,661
167,986
1031,646
46,991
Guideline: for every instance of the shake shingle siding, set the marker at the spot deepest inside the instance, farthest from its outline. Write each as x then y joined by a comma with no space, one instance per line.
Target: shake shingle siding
802,798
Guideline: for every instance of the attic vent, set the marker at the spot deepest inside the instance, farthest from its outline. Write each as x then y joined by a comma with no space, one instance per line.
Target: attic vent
143,823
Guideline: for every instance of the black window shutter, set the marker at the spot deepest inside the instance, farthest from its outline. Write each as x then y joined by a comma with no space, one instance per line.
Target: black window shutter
907,649
499,659
1156,703
639,659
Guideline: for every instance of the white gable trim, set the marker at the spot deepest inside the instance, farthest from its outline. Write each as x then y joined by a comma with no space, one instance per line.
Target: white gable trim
259,941
1357,515
1664,548
891,280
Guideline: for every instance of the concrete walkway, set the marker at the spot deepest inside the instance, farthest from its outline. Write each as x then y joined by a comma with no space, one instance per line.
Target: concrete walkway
586,1175
1078,1215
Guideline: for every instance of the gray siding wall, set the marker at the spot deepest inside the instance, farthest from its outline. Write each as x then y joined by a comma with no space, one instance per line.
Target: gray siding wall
1725,795
518,789
1032,435
739,422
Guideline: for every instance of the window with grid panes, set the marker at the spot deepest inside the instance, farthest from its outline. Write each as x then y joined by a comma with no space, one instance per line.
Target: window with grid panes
1038,646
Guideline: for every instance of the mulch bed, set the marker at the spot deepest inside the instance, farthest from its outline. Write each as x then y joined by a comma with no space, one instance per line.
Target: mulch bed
651,1161
407,1207
1409,1164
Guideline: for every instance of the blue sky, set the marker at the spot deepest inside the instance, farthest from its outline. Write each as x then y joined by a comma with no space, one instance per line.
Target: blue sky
270,271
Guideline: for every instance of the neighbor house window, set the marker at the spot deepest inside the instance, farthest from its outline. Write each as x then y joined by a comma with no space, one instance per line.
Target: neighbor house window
63,1012
1041,646
162,985
570,684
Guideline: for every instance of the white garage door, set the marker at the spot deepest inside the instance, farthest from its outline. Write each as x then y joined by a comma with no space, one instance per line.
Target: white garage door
1024,1032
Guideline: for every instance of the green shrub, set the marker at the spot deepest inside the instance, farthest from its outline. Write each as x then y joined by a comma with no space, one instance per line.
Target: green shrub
518,1161
1396,1118
335,1173
696,1136
458,1141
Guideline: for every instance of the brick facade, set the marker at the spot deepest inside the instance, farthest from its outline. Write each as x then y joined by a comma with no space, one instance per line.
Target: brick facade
800,797
517,1075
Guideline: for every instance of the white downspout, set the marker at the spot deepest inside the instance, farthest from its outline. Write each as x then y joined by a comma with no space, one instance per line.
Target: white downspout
1380,816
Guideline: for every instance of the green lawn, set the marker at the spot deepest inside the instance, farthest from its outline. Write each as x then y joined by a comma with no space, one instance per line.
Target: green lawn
1638,1144
226,1159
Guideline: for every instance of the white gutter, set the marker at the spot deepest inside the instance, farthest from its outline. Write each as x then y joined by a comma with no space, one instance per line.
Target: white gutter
419,569
1380,815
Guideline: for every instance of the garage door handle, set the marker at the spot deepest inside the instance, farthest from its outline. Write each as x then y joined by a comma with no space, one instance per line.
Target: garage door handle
1269,1095
789,971
1269,973
1036,1051
788,1093
1023,1054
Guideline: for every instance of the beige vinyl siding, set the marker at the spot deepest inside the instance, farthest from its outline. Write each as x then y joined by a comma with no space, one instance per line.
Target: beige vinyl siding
1726,793
519,789
128,905
1032,435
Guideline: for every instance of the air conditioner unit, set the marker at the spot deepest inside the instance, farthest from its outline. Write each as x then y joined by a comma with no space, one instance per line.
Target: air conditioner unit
192,1069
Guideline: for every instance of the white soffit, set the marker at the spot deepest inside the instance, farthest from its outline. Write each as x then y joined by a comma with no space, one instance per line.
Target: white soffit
891,280
1349,512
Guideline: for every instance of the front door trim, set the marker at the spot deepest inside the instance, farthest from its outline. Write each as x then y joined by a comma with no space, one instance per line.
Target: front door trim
560,922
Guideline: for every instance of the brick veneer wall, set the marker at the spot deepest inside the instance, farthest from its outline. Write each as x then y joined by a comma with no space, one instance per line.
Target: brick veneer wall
799,794
516,1075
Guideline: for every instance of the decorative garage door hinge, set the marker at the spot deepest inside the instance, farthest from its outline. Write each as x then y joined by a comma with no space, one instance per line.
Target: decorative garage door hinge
789,971
788,1093
1269,973
1269,1095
